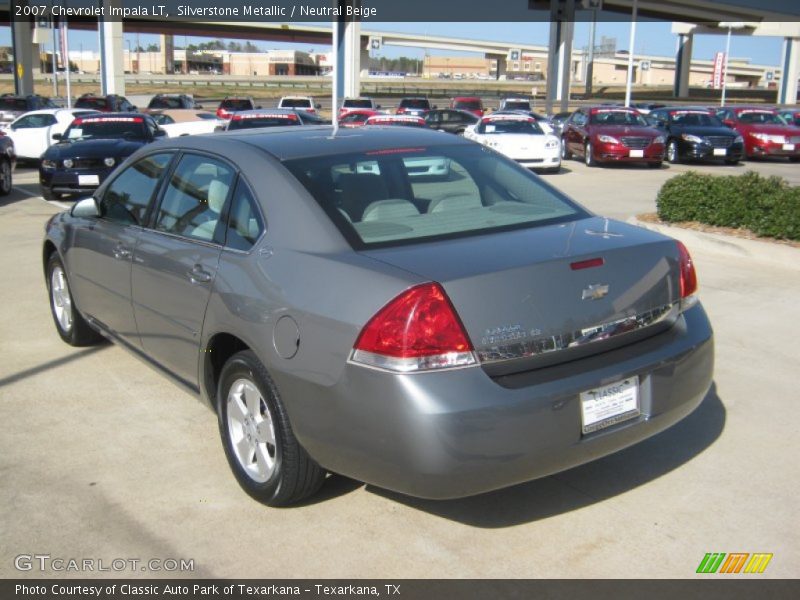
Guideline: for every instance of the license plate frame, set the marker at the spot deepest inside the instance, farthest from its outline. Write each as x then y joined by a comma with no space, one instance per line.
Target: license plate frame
789,147
610,404
720,152
88,180
636,153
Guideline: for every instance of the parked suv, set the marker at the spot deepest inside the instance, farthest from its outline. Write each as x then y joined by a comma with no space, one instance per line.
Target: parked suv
13,106
109,103
416,107
471,104
171,101
515,104
232,104
351,104
305,103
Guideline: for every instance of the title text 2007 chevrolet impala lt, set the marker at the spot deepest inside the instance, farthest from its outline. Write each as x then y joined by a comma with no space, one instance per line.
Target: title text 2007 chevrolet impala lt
405,308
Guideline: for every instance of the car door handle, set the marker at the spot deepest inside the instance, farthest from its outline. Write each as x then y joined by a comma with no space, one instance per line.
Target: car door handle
121,252
198,275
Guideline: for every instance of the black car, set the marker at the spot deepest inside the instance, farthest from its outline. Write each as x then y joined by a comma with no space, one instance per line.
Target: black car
90,149
13,106
694,133
171,101
108,103
8,160
450,119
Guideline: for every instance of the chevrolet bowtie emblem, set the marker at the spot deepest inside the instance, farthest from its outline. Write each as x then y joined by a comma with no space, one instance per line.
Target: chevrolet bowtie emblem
595,292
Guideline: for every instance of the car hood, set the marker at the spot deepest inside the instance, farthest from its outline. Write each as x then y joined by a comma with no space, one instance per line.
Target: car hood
769,129
617,130
94,148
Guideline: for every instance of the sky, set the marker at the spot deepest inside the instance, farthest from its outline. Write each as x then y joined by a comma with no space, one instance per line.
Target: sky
654,38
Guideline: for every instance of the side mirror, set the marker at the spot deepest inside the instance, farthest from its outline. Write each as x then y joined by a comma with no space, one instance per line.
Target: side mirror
378,107
134,108
86,209
728,123
258,107
56,136
219,128
435,107
160,133
318,106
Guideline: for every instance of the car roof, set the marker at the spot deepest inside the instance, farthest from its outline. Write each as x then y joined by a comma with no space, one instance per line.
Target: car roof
289,143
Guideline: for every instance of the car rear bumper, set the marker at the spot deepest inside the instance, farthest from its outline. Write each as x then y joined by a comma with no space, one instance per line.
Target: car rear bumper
459,432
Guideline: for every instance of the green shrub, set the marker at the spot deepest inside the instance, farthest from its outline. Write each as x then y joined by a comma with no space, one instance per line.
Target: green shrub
768,206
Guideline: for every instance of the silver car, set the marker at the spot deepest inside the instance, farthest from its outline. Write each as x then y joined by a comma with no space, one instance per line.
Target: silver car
440,336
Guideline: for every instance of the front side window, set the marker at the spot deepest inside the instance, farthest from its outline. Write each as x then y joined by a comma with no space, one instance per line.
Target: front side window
194,198
411,195
127,197
34,121
245,224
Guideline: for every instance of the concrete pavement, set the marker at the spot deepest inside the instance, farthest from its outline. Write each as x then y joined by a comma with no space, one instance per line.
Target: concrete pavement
101,457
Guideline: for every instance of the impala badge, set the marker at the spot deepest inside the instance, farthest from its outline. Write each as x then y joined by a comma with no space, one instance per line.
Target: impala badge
595,292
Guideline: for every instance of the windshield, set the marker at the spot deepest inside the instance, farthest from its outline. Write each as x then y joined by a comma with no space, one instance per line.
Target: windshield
415,103
413,195
617,117
695,118
262,120
106,127
295,103
165,102
236,105
760,117
468,104
510,126
517,105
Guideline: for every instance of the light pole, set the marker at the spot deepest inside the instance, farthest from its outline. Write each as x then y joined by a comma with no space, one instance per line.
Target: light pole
730,26
629,83
130,57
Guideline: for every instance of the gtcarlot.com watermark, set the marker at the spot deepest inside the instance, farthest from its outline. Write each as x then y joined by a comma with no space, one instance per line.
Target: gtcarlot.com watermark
47,563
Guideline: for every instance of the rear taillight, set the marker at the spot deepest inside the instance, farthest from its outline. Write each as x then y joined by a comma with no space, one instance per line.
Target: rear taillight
223,114
417,331
401,111
688,273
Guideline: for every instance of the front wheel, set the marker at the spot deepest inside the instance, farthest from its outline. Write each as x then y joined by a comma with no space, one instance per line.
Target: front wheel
654,165
732,161
588,157
672,152
6,182
262,451
71,326
794,159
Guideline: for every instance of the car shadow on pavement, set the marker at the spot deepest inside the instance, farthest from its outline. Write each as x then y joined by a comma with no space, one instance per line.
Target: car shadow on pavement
52,364
587,484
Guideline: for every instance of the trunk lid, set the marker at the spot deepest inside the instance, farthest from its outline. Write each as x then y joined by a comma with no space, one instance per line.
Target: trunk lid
524,303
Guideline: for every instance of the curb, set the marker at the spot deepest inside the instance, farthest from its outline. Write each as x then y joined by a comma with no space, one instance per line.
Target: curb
734,247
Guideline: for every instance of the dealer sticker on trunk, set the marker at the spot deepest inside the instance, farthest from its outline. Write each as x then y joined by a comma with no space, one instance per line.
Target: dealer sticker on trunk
610,404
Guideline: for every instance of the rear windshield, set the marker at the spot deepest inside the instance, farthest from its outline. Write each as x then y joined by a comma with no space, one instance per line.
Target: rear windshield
468,104
694,118
357,103
510,126
230,104
165,102
97,103
415,103
106,127
295,103
13,104
617,117
265,120
413,195
517,105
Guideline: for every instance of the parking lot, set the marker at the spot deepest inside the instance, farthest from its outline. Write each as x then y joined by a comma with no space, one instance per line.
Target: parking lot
103,458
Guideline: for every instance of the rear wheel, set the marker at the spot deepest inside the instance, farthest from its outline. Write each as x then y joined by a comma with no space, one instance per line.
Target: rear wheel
588,157
71,326
5,178
672,152
262,451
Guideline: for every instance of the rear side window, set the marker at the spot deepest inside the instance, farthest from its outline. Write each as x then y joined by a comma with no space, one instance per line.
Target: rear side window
245,224
411,195
127,197
194,198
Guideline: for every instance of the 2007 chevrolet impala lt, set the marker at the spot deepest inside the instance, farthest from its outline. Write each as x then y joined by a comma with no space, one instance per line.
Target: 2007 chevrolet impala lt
409,309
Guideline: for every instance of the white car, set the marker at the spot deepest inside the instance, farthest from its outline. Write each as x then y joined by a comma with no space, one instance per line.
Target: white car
33,132
305,103
186,121
520,138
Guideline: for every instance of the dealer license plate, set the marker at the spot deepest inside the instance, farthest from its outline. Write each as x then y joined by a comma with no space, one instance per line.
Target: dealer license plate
610,404
636,153
788,146
720,152
88,180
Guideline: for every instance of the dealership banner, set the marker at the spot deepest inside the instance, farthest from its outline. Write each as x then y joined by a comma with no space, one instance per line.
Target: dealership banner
719,66
405,589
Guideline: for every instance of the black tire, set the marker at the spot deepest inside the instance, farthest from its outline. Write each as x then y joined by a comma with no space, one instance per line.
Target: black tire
78,332
565,153
588,156
654,165
672,152
794,159
293,475
6,178
48,194
732,161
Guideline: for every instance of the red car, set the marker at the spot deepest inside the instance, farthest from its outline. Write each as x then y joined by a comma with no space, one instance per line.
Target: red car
406,120
356,117
765,133
471,104
604,134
